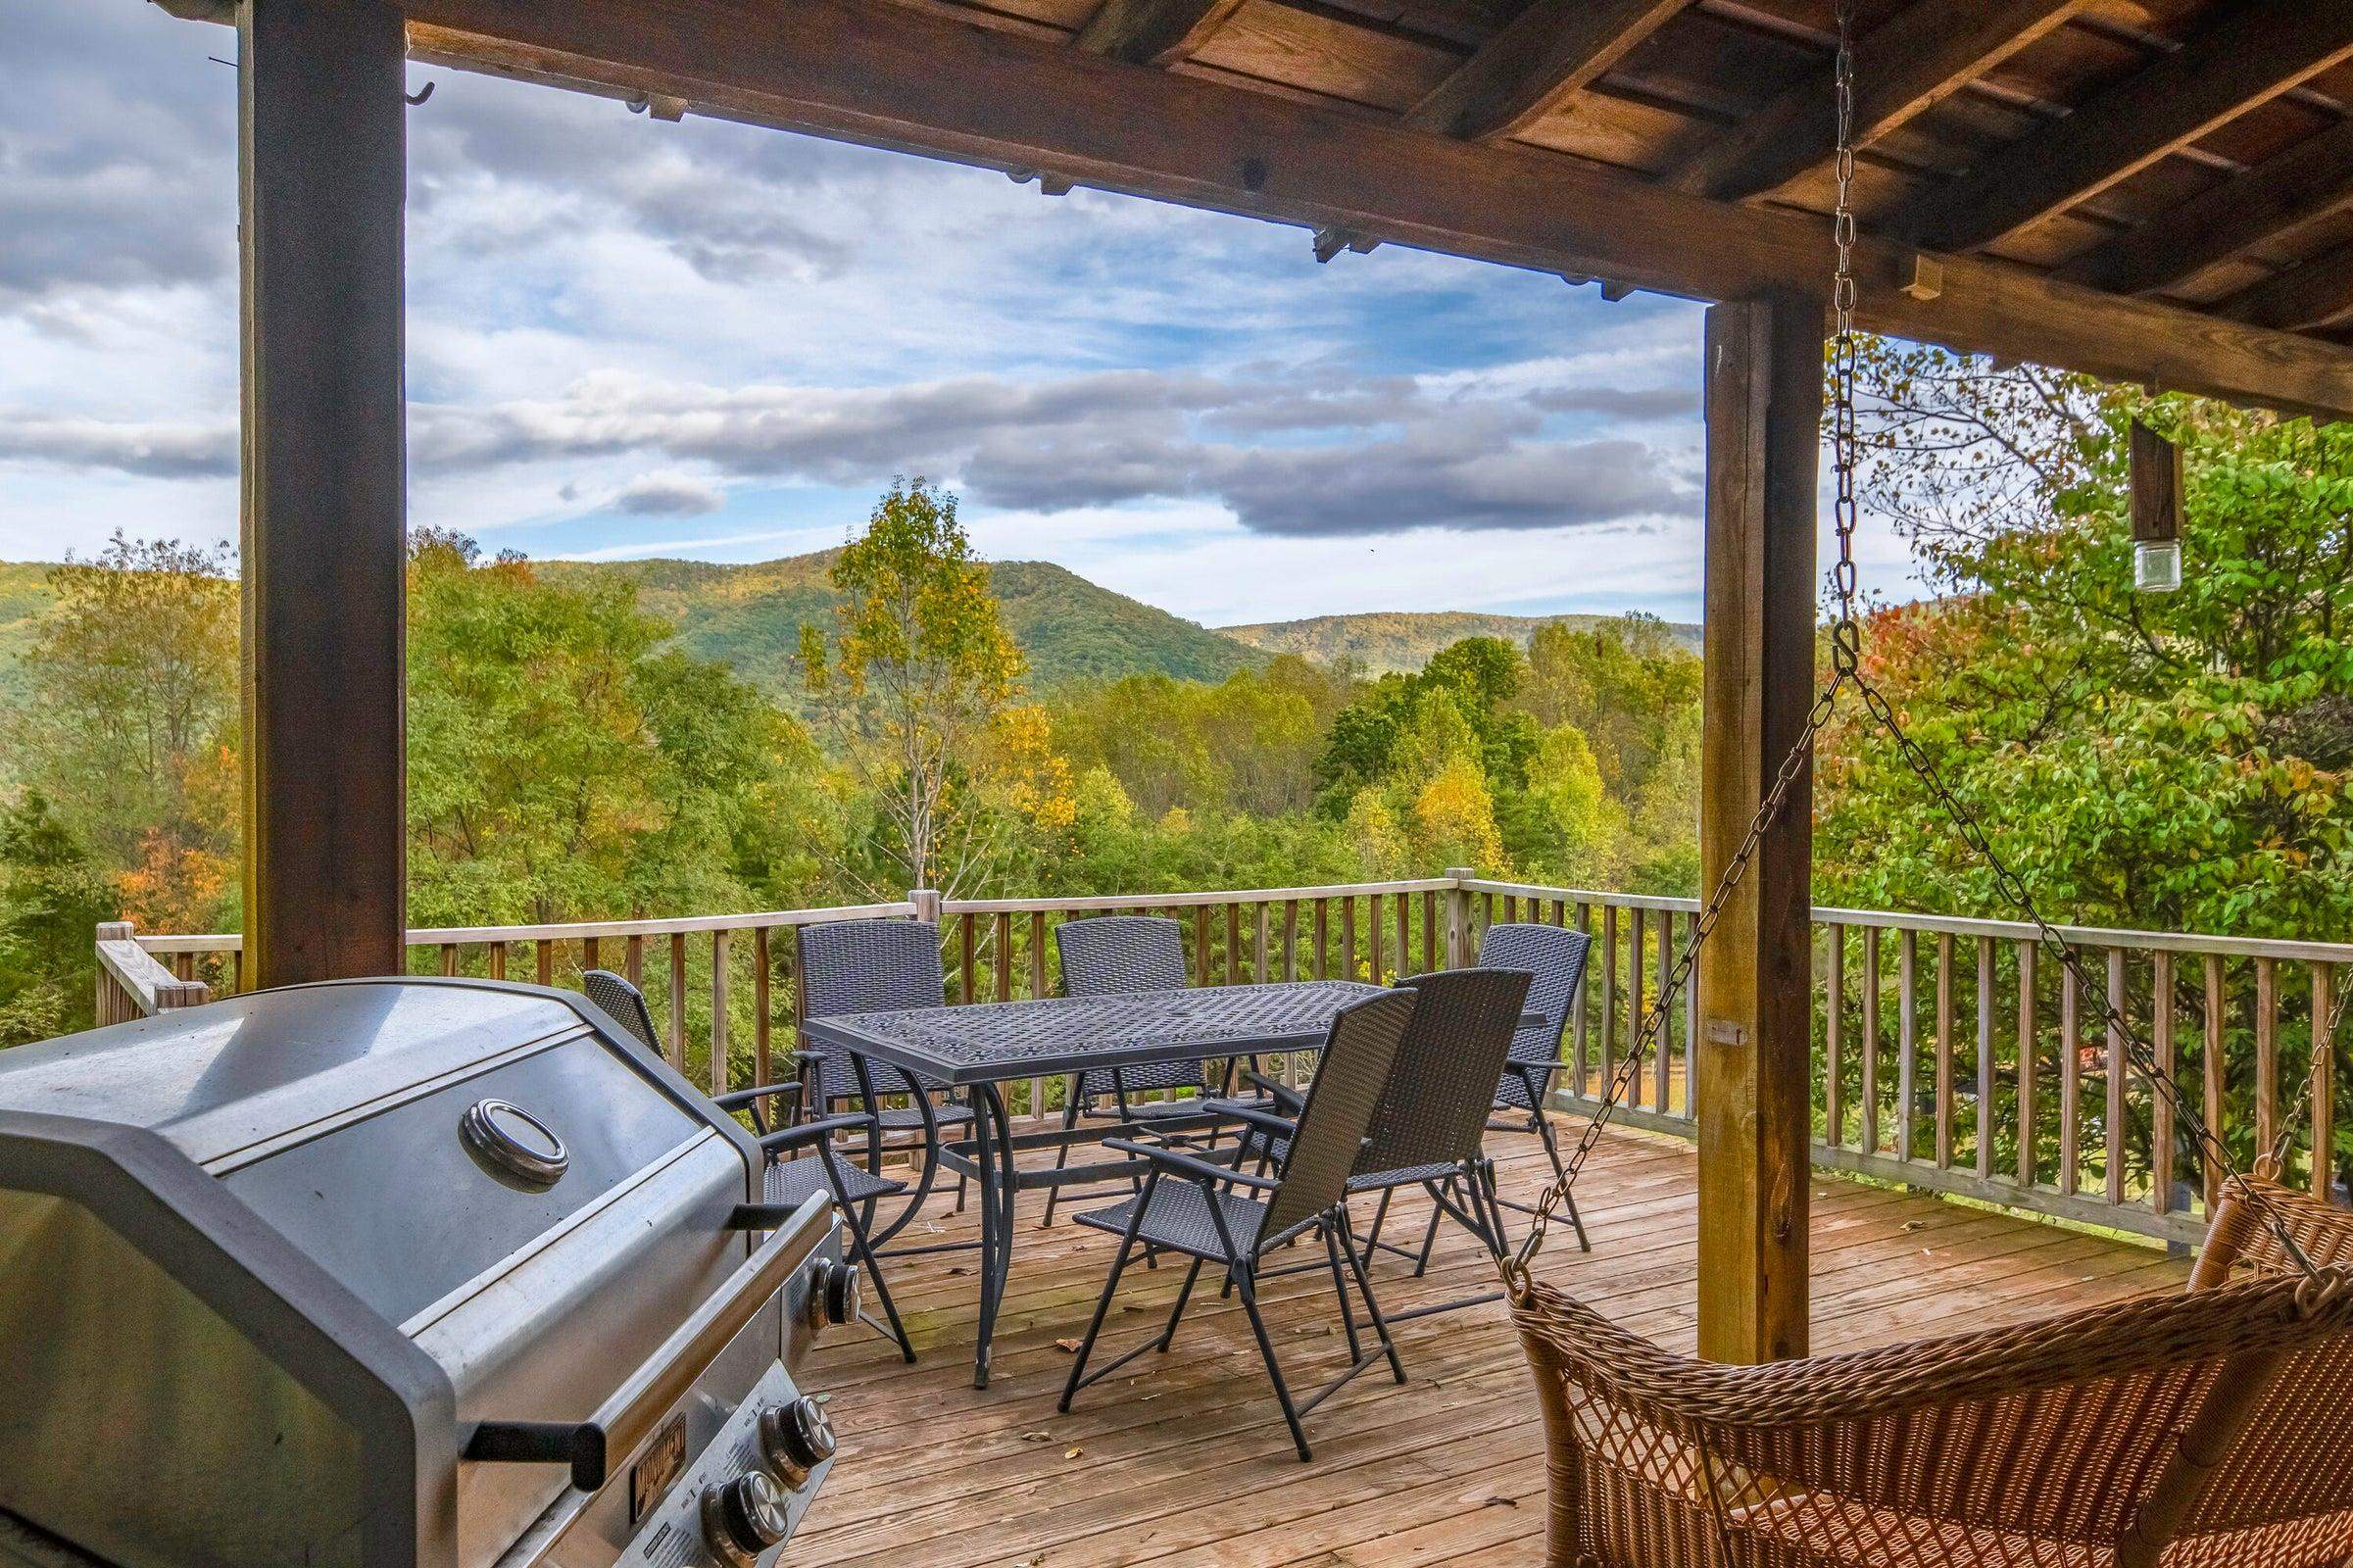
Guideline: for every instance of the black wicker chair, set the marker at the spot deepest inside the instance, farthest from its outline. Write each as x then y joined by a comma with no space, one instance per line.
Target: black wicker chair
879,966
801,1160
1119,955
1232,1218
1554,957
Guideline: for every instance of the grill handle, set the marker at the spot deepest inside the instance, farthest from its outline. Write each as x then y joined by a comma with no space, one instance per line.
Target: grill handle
629,1415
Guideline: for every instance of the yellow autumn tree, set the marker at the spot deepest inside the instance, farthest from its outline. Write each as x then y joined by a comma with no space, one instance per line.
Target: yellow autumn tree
1454,817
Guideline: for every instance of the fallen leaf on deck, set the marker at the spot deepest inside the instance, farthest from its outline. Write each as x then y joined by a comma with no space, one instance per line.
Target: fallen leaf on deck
1500,1503
1072,1453
1036,1436
1068,1347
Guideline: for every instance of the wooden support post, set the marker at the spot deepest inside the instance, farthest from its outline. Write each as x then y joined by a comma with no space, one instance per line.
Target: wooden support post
1763,401
322,184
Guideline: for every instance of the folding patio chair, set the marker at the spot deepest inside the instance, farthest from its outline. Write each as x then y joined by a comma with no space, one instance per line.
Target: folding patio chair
801,1160
1233,1218
1554,958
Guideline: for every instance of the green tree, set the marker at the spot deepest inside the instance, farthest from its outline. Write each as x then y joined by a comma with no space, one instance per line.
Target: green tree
52,897
918,675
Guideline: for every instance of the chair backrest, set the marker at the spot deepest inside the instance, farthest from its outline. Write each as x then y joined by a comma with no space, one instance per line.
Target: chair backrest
1435,1107
1554,958
1360,1061
624,1002
866,966
1115,953
2289,1475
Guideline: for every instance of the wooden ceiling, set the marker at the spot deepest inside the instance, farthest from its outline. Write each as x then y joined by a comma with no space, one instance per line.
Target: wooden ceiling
2157,190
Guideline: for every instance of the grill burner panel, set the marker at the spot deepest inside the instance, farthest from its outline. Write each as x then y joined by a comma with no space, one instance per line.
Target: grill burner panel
425,1274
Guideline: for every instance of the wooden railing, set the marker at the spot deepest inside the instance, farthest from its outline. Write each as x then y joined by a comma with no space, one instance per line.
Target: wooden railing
1948,1053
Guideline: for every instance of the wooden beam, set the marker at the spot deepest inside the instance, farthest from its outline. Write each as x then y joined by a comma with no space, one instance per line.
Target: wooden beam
2313,293
886,75
1552,50
321,142
1152,32
1754,1073
2256,53
2309,180
1927,52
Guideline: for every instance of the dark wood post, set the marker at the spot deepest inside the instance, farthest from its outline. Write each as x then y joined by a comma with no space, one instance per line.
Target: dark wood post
322,185
1763,394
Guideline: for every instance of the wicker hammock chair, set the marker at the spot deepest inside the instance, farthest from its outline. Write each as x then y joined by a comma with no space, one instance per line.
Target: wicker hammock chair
2212,1429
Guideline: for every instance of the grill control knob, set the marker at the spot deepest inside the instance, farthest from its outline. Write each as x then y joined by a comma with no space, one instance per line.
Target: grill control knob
744,1517
833,1292
795,1438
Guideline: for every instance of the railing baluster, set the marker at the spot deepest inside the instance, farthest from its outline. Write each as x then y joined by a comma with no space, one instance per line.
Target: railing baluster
1404,915
1372,921
1323,938
2216,1075
1944,1051
1634,1006
1834,1011
1868,1047
1291,939
2071,1083
2114,1134
449,957
2267,1052
763,1066
544,956
634,959
2322,1118
1662,1069
2161,1108
588,954
1579,1004
967,953
1233,941
720,951
1201,944
2026,1031
1002,933
1610,996
1907,1039
1037,953
1984,1060
677,1053
1259,973
1347,937
1430,930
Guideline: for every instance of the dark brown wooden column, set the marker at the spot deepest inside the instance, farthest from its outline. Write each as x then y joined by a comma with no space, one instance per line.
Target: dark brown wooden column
321,176
1763,396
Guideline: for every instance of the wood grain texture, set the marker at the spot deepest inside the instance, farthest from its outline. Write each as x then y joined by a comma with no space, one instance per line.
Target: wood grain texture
1552,50
1763,401
2253,54
875,72
322,156
2235,215
1152,32
2313,293
1927,52
1445,1472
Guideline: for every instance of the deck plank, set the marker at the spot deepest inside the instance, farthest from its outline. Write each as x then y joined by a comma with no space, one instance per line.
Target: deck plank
1182,1461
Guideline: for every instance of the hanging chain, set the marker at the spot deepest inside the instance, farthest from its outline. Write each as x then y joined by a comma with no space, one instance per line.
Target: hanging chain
1846,671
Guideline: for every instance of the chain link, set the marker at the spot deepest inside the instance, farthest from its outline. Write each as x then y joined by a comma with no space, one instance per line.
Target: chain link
1845,671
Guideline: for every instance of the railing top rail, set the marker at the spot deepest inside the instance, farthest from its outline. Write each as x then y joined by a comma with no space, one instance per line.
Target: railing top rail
151,986
1178,901
1962,925
574,931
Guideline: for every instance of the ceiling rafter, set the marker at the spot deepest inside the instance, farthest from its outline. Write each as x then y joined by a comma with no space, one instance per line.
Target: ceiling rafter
2311,293
2255,54
1152,32
1926,53
2309,180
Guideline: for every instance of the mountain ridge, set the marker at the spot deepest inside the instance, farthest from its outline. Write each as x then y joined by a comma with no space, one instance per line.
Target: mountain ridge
1379,642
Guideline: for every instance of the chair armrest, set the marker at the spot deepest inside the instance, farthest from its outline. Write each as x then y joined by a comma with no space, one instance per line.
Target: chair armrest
735,1098
1265,1121
1282,1093
811,1132
1176,1159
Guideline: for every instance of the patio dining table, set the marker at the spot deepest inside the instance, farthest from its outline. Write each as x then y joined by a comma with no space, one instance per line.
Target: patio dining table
981,1046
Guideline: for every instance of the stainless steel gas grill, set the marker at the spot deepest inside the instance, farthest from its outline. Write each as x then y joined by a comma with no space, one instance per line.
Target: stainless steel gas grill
437,1273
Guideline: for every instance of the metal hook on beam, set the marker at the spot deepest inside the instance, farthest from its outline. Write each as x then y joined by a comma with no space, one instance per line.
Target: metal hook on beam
420,95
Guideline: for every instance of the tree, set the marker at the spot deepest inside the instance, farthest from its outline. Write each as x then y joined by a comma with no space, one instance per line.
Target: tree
52,897
915,677
132,704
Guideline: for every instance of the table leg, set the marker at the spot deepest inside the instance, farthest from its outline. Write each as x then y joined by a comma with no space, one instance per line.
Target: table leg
994,1145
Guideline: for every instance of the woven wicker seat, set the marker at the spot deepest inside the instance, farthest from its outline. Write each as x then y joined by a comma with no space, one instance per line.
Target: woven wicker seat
796,1181
2207,1428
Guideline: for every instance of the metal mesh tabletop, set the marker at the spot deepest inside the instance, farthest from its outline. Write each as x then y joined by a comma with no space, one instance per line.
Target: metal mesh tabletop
988,1042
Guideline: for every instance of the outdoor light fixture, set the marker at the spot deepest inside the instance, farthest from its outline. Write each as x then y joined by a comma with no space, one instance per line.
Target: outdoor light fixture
2155,474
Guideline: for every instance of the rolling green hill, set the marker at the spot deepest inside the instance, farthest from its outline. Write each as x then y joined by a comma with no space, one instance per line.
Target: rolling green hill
1404,640
750,618
24,595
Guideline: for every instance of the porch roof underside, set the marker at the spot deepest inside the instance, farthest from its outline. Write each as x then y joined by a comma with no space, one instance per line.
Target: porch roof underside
2157,191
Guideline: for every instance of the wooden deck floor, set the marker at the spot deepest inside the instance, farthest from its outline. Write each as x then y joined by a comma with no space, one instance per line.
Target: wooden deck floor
1183,1461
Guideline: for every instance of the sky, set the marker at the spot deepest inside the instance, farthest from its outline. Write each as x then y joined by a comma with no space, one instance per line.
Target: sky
629,337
